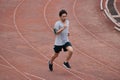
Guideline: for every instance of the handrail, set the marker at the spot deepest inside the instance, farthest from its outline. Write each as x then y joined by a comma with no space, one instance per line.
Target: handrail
101,5
112,16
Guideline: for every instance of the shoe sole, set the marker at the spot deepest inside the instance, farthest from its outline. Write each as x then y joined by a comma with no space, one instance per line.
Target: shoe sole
66,67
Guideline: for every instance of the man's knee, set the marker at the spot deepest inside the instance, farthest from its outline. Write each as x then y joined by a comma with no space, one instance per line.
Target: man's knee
70,49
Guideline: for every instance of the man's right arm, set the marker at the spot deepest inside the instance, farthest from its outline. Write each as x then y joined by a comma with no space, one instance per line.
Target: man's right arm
60,30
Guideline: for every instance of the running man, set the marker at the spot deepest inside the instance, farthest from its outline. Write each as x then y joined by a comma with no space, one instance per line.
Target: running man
62,42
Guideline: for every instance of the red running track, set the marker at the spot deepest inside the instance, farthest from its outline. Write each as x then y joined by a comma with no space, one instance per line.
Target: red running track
27,41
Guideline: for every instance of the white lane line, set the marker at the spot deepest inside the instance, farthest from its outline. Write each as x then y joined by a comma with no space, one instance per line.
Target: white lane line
23,54
102,41
24,72
15,68
20,34
6,66
34,76
51,29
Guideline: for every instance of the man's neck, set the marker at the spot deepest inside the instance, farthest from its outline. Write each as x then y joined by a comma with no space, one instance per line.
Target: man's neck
63,21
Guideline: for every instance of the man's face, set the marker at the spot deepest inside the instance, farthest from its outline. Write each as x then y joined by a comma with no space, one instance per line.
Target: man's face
63,17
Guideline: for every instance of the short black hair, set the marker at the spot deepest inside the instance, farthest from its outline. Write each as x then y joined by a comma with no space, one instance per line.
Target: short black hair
62,12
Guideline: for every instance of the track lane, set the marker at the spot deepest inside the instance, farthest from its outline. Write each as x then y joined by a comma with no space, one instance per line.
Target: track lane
36,44
74,31
33,46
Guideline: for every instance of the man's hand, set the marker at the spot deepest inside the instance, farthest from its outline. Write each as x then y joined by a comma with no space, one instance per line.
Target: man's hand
60,30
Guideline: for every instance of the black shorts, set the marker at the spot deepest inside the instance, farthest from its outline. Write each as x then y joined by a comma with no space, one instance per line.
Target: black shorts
57,49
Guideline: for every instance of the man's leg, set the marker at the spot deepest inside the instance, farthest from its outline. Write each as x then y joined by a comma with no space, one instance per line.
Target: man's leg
54,57
51,61
57,50
70,52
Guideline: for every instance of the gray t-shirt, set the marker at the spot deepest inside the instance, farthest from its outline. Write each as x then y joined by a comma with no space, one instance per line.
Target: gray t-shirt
61,38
